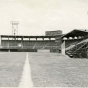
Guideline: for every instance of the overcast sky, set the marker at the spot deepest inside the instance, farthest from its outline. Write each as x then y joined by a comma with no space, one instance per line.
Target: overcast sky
37,16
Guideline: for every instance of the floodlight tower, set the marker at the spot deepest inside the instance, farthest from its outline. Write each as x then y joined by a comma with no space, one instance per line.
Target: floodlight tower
14,27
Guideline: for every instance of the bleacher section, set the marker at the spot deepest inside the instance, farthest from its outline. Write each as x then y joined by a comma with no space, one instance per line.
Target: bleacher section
76,43
47,44
71,43
77,50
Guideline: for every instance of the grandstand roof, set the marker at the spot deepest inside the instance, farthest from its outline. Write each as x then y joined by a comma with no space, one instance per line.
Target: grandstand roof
76,33
21,36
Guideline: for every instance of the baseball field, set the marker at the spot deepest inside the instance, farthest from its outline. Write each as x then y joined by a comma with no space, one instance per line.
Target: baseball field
43,70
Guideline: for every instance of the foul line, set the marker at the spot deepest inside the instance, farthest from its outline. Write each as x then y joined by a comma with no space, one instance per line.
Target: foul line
26,81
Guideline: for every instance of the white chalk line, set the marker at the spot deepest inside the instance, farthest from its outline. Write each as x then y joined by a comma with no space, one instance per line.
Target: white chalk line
26,80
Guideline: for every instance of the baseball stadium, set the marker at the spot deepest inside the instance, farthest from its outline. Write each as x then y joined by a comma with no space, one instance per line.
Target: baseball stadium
52,60
43,43
73,44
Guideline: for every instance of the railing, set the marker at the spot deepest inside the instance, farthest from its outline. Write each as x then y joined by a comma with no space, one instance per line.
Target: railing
15,47
28,47
78,50
76,44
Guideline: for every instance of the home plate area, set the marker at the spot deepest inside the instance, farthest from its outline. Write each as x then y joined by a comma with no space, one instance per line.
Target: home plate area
41,69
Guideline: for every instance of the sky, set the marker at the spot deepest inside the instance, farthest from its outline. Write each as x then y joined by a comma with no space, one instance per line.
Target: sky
37,16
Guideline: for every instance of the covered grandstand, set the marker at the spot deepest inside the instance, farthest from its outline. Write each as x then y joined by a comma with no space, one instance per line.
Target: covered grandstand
29,43
76,43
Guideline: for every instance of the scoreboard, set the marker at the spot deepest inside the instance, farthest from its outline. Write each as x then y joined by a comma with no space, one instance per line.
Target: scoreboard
53,33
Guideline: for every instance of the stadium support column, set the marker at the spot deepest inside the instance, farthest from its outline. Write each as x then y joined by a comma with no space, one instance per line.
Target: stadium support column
8,41
87,51
36,39
43,39
63,47
22,42
0,40
29,39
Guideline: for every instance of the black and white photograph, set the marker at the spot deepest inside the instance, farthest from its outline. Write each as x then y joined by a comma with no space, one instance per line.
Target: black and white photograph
43,43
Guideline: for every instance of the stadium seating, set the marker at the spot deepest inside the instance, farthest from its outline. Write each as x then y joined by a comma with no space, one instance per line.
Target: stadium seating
78,50
39,44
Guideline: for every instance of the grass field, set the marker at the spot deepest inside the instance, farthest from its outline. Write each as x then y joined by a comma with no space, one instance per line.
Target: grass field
47,70
11,67
56,70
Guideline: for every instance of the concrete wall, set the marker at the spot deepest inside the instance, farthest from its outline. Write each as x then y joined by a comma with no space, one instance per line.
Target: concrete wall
43,50
63,48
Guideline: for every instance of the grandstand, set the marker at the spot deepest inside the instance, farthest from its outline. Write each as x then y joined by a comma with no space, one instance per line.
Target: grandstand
76,43
21,43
